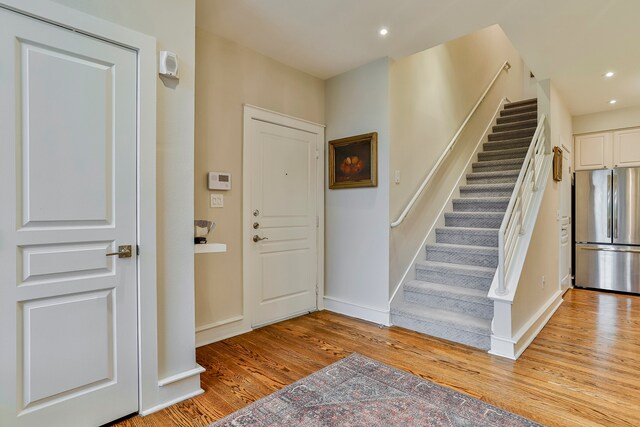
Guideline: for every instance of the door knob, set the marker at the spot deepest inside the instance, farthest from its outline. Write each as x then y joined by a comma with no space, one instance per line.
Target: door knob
124,251
257,238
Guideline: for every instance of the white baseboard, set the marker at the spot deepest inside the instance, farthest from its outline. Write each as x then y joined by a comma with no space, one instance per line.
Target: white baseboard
512,348
370,314
171,402
221,330
181,376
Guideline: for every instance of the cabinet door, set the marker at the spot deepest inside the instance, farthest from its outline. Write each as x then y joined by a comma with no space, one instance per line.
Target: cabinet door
626,148
593,151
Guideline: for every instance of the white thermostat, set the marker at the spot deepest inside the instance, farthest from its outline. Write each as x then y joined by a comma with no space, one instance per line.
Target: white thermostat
219,181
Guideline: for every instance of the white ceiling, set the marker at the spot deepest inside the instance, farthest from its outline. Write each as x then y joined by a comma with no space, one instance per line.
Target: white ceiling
573,42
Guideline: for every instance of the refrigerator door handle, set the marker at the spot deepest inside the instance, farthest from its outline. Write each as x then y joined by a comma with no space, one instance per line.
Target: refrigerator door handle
609,204
615,204
633,251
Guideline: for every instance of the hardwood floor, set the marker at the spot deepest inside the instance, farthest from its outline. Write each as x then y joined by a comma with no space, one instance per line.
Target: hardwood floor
582,370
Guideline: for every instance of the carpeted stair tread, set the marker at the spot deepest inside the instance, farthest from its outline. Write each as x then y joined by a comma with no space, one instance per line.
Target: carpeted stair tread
468,236
483,256
506,154
465,294
475,219
524,124
497,165
516,104
480,204
512,134
469,270
468,276
493,177
506,144
519,110
518,117
487,190
444,317
457,299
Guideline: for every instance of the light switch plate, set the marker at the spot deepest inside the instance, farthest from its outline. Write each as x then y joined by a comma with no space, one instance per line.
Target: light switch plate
217,200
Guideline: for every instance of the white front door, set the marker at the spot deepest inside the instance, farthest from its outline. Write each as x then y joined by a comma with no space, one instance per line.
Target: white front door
565,219
68,355
283,229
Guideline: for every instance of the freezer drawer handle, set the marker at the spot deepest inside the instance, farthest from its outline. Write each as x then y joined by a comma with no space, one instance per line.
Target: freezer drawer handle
633,251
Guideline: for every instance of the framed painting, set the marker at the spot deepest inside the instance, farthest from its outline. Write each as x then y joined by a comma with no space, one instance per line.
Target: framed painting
353,161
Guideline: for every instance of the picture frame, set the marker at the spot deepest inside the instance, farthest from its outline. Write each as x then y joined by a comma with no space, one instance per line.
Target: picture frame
557,164
353,161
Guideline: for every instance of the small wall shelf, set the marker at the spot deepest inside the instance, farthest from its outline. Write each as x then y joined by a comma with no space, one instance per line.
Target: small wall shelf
207,248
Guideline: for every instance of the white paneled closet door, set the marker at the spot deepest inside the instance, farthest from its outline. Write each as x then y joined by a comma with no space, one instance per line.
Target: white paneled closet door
68,309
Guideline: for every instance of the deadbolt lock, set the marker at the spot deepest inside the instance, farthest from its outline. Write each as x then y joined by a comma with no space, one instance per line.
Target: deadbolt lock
256,225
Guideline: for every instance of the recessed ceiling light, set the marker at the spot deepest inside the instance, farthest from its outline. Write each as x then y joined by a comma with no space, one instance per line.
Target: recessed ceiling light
609,74
383,31
613,101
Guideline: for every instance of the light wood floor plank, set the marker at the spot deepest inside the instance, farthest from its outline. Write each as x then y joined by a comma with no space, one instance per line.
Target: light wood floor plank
582,370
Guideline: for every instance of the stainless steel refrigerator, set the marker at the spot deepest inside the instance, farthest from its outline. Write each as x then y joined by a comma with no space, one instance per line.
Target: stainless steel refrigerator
607,227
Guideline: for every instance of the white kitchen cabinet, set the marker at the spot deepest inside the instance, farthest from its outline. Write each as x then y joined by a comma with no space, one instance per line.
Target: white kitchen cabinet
594,151
626,148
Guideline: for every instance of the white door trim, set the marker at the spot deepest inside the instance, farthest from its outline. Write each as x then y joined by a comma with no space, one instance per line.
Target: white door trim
145,46
250,113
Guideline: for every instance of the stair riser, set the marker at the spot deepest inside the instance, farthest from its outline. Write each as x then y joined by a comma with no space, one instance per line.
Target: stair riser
442,331
452,278
502,155
485,206
492,180
477,259
467,238
521,110
522,103
517,118
479,167
473,222
483,311
525,124
512,134
506,145
487,193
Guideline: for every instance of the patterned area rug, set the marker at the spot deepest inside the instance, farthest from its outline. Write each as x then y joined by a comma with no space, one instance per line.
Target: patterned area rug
358,391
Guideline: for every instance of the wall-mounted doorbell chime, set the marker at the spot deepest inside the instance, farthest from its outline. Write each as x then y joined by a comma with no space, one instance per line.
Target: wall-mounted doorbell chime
168,66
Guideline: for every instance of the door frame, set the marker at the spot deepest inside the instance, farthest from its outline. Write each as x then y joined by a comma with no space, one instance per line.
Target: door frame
252,112
145,47
566,148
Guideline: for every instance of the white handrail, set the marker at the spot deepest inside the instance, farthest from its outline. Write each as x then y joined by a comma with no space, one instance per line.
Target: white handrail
445,153
513,220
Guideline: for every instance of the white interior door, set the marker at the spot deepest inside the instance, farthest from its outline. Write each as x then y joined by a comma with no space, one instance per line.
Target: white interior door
282,234
565,219
67,310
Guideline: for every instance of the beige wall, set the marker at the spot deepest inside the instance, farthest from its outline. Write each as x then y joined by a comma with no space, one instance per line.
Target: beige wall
431,94
542,261
228,76
607,120
543,256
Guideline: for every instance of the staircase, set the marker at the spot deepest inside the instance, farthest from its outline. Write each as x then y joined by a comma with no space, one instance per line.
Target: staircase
449,299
